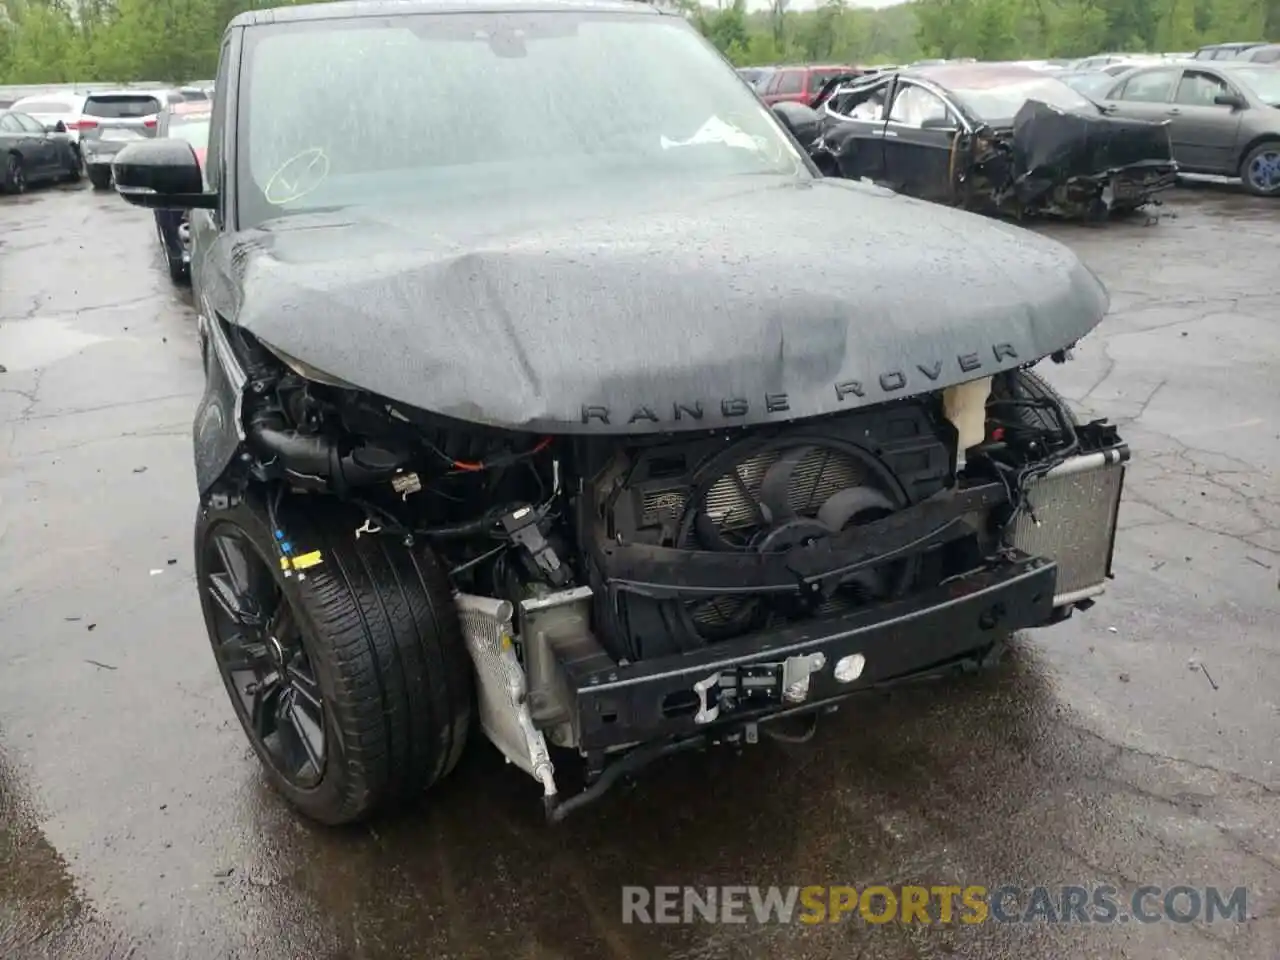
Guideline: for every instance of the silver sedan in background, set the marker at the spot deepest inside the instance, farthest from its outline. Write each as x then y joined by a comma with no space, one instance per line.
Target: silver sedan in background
1222,116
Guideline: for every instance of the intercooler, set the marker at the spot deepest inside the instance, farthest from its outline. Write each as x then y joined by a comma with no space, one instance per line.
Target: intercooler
501,686
1070,518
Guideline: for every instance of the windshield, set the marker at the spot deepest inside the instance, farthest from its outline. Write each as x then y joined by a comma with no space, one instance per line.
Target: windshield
122,106
497,108
1090,84
1002,99
1263,81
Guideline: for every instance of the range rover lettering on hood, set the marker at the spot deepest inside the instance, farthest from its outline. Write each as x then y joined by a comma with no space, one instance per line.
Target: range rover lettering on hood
887,383
606,314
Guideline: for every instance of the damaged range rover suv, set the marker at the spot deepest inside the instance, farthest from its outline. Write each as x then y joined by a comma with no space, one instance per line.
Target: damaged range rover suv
526,409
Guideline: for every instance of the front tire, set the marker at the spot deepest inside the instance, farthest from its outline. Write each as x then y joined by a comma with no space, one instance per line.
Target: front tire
15,177
371,700
1024,385
1260,169
177,267
100,177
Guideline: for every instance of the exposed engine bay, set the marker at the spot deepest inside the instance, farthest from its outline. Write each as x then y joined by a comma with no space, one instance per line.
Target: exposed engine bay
577,561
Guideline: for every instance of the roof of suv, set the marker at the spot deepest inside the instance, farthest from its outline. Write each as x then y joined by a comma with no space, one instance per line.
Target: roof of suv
162,94
345,9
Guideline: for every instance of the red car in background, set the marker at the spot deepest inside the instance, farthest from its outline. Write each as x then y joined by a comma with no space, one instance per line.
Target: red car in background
189,122
801,84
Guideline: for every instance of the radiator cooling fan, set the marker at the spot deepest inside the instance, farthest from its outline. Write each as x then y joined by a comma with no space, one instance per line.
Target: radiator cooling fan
775,496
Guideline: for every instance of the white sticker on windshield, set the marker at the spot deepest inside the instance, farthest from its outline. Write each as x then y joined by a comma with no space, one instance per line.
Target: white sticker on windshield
716,130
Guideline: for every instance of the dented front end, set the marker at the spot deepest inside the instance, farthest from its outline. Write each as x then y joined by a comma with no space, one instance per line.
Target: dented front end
1065,164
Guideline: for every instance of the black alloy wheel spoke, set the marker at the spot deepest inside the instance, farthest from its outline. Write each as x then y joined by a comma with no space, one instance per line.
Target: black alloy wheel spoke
266,702
283,626
258,638
250,577
238,655
232,604
309,733
235,583
307,690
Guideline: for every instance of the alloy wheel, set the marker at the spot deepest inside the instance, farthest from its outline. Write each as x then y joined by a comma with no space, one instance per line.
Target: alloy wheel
262,655
1264,171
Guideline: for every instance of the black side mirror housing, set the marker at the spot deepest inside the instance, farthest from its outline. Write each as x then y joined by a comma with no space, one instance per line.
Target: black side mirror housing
161,174
59,127
1229,100
802,121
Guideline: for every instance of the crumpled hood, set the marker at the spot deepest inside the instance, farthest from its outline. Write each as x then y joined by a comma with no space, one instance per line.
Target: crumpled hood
726,304
1050,145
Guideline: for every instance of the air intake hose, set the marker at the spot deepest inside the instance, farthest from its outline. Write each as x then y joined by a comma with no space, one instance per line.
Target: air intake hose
306,457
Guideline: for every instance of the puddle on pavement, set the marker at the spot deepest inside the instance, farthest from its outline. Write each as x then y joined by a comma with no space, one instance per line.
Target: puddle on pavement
37,897
30,344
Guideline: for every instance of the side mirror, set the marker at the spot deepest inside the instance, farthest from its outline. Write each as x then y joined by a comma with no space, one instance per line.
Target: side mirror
1229,100
161,174
803,122
58,127
938,123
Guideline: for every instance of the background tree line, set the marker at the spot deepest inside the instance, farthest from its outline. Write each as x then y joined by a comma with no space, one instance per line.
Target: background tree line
59,41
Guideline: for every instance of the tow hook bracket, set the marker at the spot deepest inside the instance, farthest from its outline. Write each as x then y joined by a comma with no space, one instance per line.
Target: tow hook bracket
796,672
707,711
755,685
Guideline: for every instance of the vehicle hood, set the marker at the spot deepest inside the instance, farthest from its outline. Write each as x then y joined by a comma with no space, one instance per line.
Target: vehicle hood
724,304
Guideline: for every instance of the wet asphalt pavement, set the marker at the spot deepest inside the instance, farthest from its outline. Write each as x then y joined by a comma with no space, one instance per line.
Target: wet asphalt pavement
1135,744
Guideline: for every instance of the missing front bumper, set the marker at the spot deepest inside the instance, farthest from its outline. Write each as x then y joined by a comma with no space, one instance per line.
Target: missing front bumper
1070,517
622,704
620,716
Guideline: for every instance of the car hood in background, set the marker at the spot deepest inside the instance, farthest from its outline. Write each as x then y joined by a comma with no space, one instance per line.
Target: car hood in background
702,306
1050,145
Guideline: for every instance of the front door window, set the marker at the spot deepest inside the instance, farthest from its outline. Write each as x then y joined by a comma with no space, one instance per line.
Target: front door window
915,107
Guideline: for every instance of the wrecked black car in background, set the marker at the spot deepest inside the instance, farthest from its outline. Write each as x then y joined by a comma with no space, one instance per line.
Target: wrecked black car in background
996,138
561,436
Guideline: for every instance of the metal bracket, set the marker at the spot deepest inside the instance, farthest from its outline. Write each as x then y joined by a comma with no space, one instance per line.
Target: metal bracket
796,672
707,713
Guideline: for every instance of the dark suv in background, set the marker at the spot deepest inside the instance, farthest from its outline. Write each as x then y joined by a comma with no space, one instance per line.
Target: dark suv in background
188,122
1227,51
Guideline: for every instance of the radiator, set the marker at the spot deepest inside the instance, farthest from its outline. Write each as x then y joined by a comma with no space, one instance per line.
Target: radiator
1072,521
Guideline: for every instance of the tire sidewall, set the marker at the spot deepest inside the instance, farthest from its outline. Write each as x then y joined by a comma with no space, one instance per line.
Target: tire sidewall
328,800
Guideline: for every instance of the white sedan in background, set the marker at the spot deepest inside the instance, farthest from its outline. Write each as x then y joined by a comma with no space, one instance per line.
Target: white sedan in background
49,108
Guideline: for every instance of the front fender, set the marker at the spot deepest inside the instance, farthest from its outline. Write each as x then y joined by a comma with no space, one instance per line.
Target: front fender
218,431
